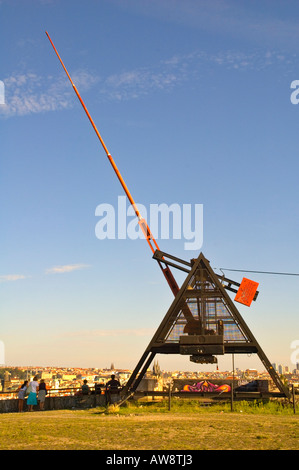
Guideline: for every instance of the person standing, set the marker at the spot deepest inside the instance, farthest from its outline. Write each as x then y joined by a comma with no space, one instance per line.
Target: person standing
42,392
21,395
113,389
85,388
32,397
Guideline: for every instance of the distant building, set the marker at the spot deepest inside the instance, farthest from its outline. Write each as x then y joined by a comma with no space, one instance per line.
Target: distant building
6,381
69,376
56,384
46,375
150,384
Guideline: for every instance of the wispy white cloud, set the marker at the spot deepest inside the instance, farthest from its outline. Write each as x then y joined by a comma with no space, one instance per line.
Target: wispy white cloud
182,69
12,277
30,93
67,268
135,83
54,270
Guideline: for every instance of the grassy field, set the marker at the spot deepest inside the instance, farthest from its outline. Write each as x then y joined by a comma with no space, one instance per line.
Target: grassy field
152,427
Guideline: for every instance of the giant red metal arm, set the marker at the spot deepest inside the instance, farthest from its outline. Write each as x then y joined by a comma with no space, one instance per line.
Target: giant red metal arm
142,222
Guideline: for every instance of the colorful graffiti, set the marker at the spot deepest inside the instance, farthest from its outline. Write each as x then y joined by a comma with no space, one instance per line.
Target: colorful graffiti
205,386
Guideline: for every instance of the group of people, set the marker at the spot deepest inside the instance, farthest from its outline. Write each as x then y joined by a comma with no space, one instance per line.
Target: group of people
34,392
112,388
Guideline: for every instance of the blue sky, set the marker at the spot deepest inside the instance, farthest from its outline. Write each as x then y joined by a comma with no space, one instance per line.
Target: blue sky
193,102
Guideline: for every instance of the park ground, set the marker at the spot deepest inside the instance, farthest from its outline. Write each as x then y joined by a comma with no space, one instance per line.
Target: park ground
144,427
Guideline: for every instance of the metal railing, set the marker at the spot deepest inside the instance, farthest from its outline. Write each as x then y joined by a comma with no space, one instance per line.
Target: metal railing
59,392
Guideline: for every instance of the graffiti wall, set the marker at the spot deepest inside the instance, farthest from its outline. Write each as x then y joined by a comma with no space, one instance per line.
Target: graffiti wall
201,386
219,386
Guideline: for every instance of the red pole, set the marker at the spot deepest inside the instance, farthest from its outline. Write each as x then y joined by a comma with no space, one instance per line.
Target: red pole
142,222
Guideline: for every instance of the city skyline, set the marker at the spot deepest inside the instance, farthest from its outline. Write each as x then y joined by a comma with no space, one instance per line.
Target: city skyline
276,366
196,103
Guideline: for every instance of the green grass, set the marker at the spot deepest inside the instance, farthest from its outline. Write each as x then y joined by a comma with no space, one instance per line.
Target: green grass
153,427
195,406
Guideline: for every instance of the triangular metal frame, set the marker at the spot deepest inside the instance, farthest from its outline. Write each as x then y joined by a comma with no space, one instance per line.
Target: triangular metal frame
192,338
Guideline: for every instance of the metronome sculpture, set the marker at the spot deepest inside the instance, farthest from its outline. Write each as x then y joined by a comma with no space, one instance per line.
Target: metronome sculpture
202,321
